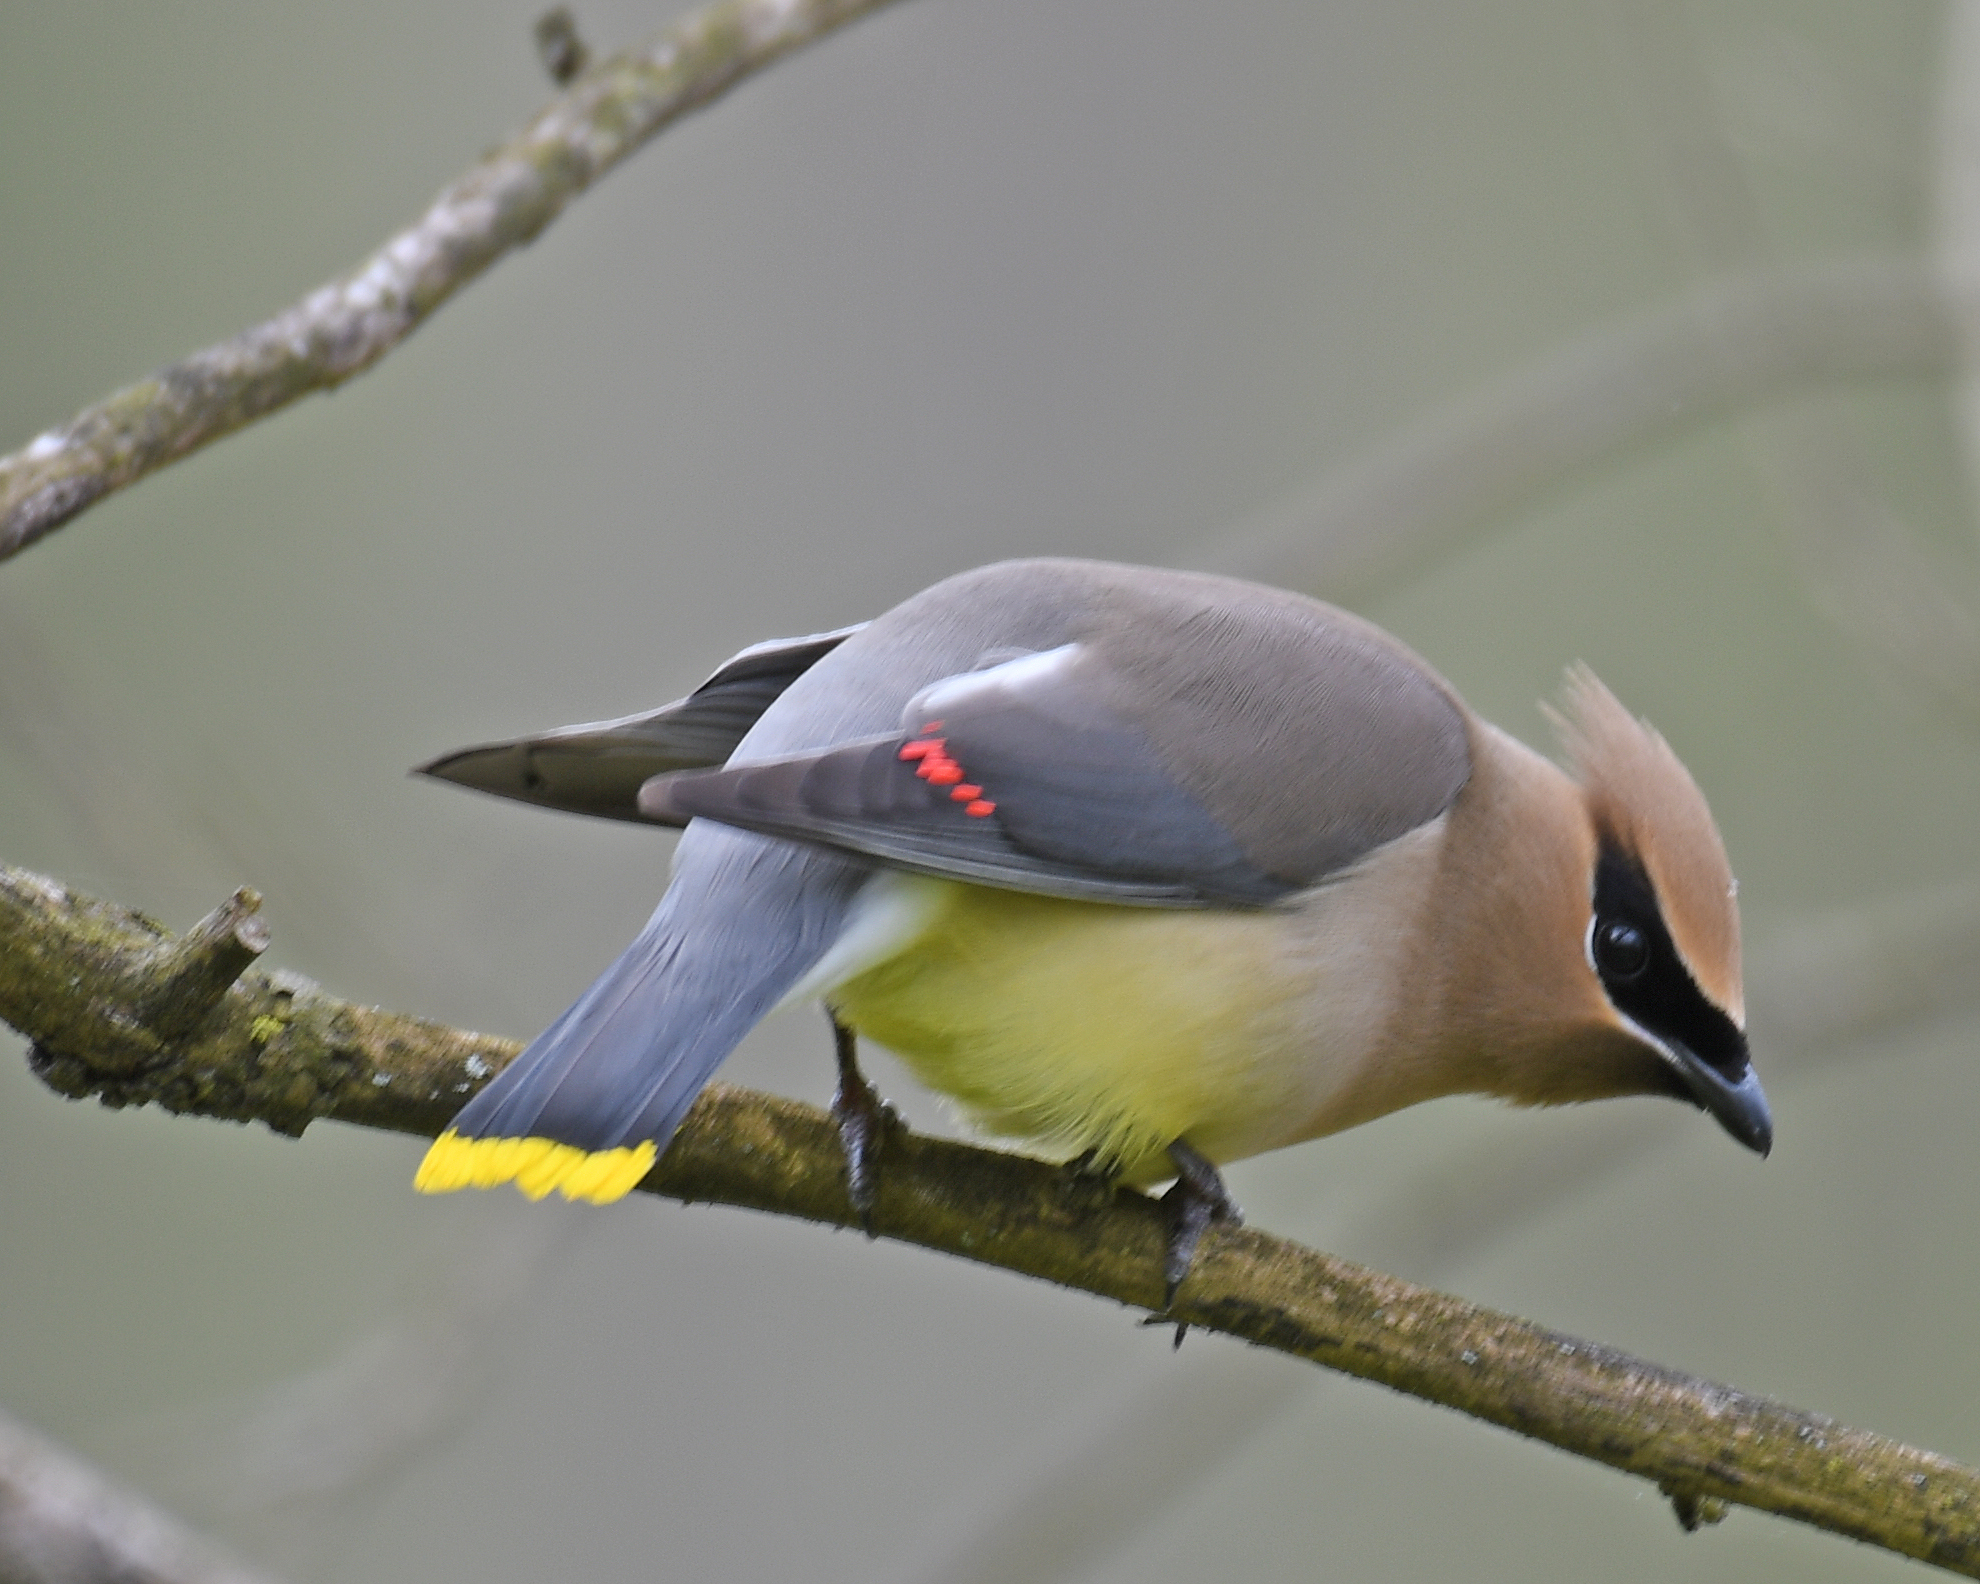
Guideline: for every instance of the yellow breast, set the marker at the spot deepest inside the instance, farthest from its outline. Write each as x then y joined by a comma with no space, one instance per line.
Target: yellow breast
1087,1026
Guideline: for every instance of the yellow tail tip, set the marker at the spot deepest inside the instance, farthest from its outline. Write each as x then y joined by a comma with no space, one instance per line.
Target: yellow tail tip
537,1166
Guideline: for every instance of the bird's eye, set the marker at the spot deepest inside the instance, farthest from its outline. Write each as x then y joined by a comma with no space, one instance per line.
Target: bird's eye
1622,951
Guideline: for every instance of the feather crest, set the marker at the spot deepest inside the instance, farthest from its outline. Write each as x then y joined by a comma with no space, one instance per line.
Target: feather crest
1641,798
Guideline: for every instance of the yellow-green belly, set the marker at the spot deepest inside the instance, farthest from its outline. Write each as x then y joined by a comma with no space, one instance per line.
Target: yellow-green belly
1086,1026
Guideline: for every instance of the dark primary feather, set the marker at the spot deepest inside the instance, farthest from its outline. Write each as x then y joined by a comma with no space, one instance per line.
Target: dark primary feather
598,768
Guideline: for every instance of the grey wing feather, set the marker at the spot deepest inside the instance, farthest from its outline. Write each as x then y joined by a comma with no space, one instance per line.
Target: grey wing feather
599,767
863,798
1071,803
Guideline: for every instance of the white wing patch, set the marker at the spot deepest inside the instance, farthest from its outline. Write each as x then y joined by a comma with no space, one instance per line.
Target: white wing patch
975,689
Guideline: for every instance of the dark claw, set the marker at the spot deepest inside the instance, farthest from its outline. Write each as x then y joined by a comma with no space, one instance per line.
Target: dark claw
1197,1199
864,1122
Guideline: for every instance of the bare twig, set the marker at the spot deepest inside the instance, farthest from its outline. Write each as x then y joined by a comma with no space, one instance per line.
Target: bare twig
1078,1491
1911,606
343,328
61,1522
1752,333
1723,348
281,1050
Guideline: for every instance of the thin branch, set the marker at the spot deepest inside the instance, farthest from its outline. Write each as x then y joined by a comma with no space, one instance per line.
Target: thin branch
1723,348
343,328
1914,607
62,1522
276,1048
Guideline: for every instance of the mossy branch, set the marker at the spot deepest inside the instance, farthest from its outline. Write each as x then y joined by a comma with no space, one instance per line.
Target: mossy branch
117,1008
607,111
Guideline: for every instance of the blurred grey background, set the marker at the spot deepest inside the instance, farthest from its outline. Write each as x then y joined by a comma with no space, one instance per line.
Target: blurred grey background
974,278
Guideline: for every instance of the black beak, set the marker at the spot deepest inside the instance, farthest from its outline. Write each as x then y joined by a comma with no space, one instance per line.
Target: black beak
1738,1104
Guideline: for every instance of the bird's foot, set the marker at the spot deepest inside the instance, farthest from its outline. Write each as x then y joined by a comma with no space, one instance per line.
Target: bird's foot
864,1121
1197,1199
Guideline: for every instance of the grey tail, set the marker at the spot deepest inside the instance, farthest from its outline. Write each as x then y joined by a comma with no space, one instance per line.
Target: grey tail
743,920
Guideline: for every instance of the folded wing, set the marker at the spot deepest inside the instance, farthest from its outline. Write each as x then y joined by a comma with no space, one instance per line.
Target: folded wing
1044,774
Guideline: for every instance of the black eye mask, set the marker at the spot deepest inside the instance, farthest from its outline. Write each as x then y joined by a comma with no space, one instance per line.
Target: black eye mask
1645,978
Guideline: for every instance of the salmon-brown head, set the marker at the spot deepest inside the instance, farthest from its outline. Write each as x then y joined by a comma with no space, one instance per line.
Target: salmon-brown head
1663,930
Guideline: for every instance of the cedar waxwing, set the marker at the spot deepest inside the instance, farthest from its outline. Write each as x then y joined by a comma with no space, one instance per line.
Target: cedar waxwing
1156,870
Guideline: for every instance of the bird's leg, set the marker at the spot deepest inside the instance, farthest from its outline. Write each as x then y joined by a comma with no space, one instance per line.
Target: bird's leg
864,1120
1198,1198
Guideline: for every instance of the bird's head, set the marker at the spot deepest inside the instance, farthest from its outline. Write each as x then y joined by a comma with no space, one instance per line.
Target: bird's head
1662,932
